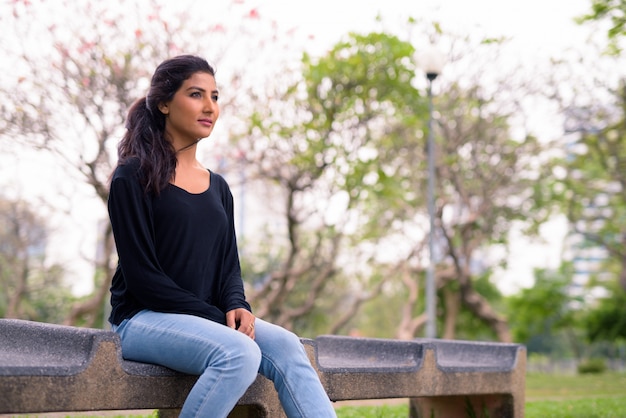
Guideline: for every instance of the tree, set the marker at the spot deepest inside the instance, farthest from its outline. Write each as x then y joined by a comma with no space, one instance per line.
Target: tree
591,188
352,130
546,311
485,176
316,144
32,288
606,320
593,194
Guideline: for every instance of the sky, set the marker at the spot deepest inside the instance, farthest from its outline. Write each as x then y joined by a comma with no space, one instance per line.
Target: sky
537,28
535,25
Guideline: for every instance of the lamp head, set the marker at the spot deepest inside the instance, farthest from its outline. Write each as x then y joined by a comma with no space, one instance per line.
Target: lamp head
431,61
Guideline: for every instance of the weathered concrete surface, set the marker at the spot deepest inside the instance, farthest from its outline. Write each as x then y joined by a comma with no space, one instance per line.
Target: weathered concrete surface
50,368
53,368
439,376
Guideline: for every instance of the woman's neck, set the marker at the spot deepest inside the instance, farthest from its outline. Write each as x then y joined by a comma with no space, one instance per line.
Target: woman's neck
186,157
190,174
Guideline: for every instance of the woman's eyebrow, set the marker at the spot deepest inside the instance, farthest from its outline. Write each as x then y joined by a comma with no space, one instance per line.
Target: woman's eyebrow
201,89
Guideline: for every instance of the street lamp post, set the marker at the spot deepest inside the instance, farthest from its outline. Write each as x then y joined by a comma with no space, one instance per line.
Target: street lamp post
432,65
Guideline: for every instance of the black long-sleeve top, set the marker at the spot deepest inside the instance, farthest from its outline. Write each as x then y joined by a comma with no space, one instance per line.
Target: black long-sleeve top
177,251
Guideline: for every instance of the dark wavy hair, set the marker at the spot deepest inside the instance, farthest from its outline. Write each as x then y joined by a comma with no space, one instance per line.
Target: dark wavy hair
145,125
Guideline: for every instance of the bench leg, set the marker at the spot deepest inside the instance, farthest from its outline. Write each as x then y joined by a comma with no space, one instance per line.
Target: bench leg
252,411
479,406
168,413
240,411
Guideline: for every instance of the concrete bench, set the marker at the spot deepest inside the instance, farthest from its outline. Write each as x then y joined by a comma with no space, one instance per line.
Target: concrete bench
53,368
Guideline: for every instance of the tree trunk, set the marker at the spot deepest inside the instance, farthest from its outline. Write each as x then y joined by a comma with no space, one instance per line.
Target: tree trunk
480,307
409,325
89,309
13,307
622,275
354,308
452,301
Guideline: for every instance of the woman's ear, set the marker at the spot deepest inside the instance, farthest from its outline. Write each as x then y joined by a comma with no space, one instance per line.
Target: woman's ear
164,108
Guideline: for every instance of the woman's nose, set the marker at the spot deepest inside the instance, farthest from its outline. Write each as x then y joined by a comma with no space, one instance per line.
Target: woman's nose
209,105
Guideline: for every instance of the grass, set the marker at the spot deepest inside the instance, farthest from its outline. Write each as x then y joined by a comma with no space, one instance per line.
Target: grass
384,411
576,396
578,408
547,387
547,396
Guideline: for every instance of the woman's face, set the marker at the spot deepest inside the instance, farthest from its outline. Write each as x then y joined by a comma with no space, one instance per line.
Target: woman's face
193,111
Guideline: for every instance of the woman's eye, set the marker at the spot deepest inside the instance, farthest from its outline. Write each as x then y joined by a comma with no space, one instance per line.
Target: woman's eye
196,94
215,97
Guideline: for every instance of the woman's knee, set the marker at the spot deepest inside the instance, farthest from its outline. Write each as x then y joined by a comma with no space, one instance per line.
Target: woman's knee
282,346
289,340
242,354
251,354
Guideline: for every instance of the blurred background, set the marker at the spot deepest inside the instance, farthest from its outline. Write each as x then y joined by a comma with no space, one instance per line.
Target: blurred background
510,226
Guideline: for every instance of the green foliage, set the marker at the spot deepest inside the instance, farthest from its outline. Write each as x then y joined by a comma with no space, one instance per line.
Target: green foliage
592,366
594,174
31,288
544,308
354,126
589,187
361,99
606,320
471,410
380,316
615,12
345,130
469,326
49,299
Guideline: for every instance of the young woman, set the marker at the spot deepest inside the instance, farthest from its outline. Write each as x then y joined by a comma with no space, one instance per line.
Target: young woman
177,295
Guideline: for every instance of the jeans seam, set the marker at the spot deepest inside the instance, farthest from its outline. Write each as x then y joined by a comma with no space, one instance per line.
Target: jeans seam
288,389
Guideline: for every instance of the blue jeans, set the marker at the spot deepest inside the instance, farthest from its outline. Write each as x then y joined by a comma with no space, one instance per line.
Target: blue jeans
227,362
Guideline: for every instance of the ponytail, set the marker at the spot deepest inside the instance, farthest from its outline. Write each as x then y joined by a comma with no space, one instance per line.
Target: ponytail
145,140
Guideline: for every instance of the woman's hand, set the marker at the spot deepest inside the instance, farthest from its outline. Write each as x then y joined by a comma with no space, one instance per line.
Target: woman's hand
242,320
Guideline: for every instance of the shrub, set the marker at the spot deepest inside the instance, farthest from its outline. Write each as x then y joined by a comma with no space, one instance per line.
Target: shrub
592,365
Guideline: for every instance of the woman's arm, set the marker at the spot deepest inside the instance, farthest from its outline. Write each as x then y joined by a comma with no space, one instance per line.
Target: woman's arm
232,295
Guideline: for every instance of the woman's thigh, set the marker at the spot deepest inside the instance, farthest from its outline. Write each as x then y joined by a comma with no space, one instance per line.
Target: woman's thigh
276,342
283,355
185,343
